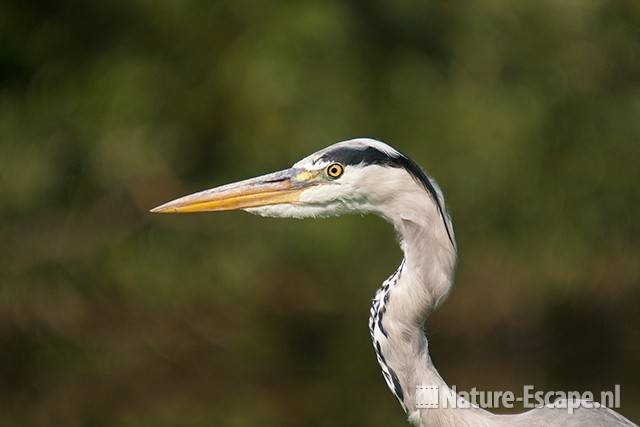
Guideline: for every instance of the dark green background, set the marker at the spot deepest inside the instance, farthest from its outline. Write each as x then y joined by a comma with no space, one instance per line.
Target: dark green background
527,113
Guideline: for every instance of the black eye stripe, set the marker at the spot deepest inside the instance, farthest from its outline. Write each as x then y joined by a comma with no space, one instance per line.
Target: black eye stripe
351,156
355,156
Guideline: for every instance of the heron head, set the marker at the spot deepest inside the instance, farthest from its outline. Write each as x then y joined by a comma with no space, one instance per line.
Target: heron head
360,175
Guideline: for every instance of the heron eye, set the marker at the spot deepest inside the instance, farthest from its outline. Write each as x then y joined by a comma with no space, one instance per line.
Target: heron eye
334,170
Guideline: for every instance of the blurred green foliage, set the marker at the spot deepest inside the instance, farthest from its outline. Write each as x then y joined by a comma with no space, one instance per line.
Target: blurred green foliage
527,113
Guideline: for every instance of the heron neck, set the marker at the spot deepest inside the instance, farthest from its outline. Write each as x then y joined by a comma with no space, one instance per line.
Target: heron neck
404,302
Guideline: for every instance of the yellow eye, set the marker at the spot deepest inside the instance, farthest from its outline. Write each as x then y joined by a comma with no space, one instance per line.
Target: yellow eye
334,170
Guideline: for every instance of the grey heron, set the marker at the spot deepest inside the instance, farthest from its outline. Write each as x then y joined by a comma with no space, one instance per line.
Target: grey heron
368,176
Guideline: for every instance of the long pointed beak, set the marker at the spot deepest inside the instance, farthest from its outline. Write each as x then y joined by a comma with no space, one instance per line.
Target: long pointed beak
283,187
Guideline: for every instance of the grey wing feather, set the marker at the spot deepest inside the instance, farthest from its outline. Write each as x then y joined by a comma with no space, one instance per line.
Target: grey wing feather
558,415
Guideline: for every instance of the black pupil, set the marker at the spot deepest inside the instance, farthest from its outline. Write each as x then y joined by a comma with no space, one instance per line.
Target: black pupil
334,170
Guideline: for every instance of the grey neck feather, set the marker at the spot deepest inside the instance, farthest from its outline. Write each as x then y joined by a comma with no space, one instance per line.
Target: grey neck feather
404,302
406,299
